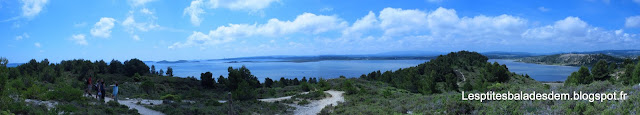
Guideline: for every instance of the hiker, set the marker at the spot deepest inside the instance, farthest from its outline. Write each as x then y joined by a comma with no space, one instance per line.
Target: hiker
95,86
102,89
89,86
115,92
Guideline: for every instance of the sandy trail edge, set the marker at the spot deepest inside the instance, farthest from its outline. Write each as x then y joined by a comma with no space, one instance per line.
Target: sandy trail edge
141,109
314,107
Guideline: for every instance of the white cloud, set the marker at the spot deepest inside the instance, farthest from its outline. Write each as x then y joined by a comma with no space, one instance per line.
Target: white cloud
252,5
37,44
139,2
543,9
103,27
194,11
79,39
23,36
131,25
306,23
31,8
632,22
196,8
136,37
146,11
398,21
573,33
365,23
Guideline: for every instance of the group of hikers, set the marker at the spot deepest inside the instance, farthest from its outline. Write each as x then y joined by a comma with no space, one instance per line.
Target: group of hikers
100,89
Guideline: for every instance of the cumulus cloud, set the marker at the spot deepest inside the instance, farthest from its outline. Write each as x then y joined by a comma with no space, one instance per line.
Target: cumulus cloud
397,21
23,36
399,29
37,44
307,23
31,8
79,39
131,25
146,11
241,4
632,22
363,24
196,8
568,27
139,2
194,11
103,27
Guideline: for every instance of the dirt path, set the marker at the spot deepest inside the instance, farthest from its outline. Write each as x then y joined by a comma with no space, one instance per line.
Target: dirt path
278,99
314,107
141,109
462,74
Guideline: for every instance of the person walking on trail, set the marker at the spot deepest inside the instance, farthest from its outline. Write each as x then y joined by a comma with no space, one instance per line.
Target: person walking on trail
102,89
89,87
115,92
95,86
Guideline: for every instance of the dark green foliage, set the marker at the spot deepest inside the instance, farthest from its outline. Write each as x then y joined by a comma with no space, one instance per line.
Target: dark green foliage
244,92
582,76
600,71
314,80
635,76
222,80
442,70
116,67
268,82
135,66
304,79
206,79
169,72
171,97
239,75
467,86
148,86
161,72
137,77
153,70
305,86
348,87
295,81
64,92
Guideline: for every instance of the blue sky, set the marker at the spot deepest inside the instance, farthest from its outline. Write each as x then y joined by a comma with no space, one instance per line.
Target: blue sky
211,29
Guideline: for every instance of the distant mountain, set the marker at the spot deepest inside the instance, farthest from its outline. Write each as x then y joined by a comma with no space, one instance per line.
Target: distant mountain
633,54
571,59
179,61
507,55
410,53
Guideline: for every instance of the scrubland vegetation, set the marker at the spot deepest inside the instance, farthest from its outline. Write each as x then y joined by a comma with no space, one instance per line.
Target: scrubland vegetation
433,87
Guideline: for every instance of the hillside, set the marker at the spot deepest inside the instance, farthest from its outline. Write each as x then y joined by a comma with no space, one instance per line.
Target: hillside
571,59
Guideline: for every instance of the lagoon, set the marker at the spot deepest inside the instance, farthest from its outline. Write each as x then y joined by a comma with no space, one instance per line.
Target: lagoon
327,69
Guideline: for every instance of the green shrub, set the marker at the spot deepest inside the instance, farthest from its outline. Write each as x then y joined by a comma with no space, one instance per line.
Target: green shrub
244,92
314,95
305,86
303,102
148,86
36,92
171,97
65,93
66,108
